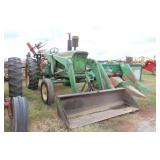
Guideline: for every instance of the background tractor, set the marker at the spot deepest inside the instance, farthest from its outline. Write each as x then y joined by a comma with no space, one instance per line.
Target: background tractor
150,65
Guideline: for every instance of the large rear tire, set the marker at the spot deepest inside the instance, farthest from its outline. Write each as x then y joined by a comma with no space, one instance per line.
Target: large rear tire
19,122
33,74
47,91
15,76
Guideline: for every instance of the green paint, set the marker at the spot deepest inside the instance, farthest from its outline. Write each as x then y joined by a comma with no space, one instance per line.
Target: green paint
124,70
124,84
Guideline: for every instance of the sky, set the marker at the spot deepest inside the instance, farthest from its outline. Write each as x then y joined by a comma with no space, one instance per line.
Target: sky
106,29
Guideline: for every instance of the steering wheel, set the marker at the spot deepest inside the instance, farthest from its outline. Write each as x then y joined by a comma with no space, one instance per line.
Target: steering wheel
54,50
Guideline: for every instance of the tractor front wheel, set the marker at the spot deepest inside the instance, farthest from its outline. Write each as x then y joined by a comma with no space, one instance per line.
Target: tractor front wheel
47,91
19,121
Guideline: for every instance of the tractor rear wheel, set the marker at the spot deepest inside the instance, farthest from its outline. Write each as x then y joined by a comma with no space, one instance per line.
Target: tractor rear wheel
47,91
15,76
32,74
19,121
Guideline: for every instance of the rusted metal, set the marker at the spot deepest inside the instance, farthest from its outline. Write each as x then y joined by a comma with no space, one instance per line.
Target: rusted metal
36,46
8,106
32,49
80,109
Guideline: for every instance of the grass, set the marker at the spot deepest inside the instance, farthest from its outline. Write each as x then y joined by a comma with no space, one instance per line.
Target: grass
149,81
45,118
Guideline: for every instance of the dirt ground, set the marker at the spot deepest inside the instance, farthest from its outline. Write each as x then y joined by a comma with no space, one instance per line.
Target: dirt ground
44,118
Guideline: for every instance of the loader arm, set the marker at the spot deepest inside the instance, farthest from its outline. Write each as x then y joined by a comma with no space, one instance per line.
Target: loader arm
102,78
69,68
129,75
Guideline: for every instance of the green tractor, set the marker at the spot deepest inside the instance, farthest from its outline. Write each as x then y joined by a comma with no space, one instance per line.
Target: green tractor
96,100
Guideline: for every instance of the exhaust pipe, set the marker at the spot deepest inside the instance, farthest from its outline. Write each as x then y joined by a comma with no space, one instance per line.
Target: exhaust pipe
72,42
69,42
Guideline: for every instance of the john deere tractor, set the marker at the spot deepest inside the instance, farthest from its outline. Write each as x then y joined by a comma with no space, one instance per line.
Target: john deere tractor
101,100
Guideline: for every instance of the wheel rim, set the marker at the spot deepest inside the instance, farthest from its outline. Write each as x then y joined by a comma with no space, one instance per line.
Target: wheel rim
44,92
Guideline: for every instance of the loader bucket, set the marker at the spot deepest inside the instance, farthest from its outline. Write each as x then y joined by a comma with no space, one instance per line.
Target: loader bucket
80,109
